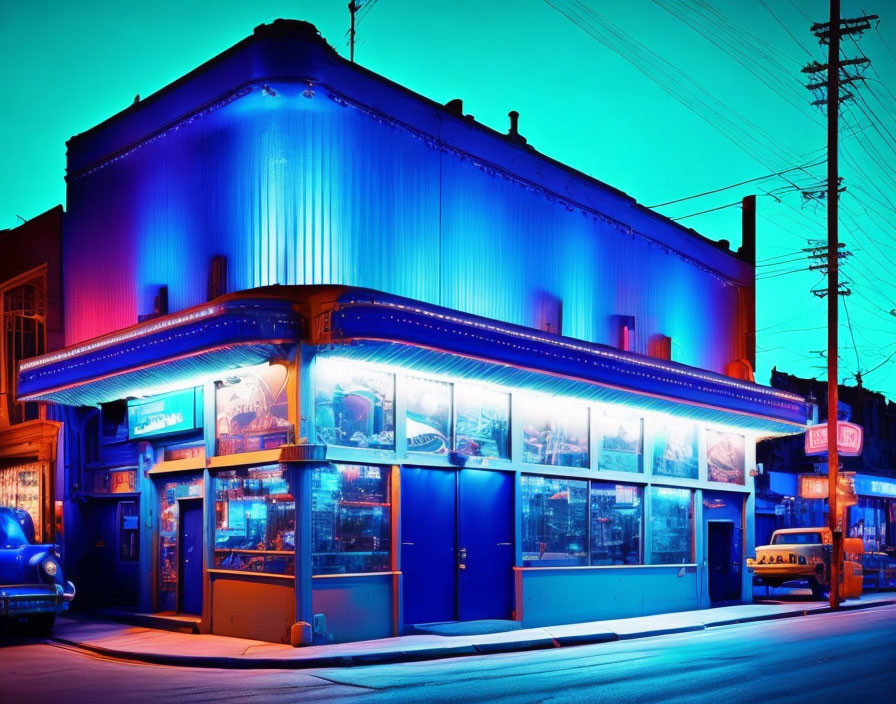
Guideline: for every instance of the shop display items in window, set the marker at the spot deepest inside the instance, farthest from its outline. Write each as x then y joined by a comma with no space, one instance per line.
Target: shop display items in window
555,523
252,411
20,487
675,450
555,434
621,445
725,457
616,524
672,526
255,528
482,425
428,419
354,406
351,519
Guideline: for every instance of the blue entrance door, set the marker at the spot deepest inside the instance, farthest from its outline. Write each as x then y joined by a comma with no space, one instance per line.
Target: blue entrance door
457,544
190,559
485,545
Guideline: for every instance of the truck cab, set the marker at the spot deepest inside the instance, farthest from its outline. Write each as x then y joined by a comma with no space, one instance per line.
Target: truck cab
805,554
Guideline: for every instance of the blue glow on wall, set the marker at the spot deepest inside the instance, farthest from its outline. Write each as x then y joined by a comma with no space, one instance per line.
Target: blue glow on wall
296,190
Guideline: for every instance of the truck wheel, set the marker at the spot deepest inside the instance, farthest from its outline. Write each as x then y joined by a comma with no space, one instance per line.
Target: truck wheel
41,624
819,591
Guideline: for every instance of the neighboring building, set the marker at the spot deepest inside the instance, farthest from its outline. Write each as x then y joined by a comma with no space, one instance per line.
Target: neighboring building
31,305
441,388
779,503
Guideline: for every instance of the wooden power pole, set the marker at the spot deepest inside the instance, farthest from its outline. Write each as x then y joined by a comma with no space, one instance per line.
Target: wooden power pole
830,33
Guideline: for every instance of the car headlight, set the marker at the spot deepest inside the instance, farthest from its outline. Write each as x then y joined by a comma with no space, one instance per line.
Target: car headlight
51,568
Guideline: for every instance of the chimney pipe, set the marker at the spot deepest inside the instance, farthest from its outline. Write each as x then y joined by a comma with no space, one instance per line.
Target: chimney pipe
514,132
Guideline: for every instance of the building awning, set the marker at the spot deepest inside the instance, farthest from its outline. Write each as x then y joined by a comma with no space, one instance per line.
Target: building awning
255,326
406,333
231,332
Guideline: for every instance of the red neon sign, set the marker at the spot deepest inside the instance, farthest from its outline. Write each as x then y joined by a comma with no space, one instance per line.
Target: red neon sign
849,439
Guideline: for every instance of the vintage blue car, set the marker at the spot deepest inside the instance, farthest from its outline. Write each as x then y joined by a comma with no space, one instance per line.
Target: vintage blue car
31,583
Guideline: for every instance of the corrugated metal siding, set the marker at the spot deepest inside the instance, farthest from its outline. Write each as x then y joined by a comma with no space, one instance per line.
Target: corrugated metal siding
306,191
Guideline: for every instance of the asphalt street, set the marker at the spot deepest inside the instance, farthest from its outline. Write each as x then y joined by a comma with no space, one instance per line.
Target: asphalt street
843,657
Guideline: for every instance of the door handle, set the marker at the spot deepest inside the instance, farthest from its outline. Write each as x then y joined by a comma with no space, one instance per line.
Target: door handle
504,545
407,543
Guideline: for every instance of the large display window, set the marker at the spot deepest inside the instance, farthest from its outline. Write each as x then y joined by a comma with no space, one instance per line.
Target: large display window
428,419
255,520
252,411
675,450
616,524
21,486
354,405
672,525
482,425
351,519
622,442
554,433
555,521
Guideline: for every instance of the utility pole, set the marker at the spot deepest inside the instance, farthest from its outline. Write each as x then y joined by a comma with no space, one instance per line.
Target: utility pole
352,9
830,34
833,298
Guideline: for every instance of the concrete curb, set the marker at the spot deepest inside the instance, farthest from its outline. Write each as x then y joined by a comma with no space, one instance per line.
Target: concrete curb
545,642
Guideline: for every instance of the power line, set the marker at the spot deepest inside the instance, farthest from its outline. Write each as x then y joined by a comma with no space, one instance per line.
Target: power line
739,183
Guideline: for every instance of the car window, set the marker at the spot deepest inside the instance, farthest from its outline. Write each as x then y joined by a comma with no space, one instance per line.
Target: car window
797,539
11,533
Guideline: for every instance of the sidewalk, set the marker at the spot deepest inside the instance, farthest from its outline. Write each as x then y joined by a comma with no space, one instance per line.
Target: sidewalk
181,649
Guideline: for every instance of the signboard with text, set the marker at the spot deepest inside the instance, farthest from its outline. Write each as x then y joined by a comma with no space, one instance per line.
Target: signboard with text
815,486
849,439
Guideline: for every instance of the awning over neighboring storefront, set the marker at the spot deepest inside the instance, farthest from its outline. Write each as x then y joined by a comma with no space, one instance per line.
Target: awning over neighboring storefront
231,332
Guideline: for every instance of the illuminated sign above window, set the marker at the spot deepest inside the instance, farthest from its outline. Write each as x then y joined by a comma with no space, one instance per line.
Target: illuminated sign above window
174,412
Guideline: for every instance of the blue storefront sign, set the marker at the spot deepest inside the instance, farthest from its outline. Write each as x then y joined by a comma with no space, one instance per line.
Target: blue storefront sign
174,412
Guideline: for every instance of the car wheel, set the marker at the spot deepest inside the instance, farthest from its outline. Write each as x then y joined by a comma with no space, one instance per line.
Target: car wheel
41,624
818,590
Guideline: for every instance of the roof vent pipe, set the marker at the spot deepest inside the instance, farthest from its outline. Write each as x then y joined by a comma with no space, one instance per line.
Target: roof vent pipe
514,132
456,106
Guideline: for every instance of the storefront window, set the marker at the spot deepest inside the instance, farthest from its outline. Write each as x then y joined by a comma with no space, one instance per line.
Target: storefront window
428,421
621,445
672,524
483,422
555,521
616,515
20,487
255,521
675,450
169,520
554,434
350,519
354,406
725,457
251,410
873,520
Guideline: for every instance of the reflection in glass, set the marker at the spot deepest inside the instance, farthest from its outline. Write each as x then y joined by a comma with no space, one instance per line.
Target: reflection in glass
672,525
554,521
555,434
428,423
675,450
351,519
616,515
169,519
252,411
621,443
354,405
483,422
255,527
725,457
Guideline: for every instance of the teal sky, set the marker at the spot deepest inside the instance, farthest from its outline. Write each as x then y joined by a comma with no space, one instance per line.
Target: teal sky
660,98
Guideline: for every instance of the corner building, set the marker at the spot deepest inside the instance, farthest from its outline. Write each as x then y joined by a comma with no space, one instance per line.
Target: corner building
344,361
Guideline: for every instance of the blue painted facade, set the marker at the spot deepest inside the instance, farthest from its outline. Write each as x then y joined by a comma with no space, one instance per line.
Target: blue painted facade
426,323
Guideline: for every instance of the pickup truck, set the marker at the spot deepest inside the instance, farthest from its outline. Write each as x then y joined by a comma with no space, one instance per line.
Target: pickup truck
805,554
